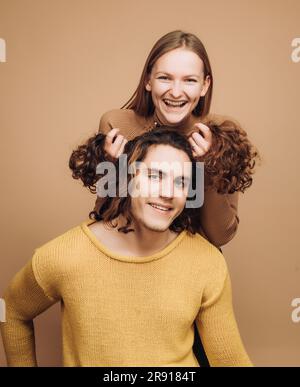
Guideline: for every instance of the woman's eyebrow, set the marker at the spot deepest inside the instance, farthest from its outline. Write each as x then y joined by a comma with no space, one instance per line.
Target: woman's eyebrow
166,73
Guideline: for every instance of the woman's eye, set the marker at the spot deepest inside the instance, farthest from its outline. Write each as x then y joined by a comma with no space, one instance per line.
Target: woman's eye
163,77
191,80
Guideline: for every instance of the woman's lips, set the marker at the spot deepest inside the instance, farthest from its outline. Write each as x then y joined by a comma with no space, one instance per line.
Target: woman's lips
175,106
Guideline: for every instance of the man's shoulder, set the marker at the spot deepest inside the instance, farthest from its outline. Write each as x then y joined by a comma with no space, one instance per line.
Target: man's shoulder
198,240
64,244
205,253
55,259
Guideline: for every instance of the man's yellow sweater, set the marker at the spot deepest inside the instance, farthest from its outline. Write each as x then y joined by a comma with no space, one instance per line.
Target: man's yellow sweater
125,310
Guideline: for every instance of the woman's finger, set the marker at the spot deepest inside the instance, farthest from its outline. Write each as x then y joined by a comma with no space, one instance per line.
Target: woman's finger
200,141
197,150
115,147
205,130
121,150
110,136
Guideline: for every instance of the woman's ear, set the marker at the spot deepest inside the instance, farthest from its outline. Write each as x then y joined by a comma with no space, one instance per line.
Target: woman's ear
206,85
148,83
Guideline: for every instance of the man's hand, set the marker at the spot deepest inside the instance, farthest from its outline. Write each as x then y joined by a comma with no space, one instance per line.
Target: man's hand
200,143
114,143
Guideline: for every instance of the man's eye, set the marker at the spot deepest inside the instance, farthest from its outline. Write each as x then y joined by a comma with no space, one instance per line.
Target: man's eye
180,183
153,177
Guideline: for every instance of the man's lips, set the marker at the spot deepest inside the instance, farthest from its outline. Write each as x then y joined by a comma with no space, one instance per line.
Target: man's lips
161,207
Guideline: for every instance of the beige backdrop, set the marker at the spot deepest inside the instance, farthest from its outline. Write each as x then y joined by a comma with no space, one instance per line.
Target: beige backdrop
68,61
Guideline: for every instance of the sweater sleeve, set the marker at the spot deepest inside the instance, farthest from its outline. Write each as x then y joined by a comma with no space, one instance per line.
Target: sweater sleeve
25,299
217,325
105,124
219,216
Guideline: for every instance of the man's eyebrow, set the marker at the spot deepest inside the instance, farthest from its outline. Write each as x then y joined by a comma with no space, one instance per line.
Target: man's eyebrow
186,179
183,177
155,170
186,76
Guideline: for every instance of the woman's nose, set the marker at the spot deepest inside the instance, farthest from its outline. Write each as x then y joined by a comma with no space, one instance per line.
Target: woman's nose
176,90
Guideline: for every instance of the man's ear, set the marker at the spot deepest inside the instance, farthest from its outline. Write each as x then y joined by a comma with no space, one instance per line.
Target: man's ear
206,85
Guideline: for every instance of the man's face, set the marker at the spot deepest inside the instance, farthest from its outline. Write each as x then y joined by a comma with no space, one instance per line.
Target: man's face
160,187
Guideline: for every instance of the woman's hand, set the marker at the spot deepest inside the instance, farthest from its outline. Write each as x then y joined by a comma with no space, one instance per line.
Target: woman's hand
200,143
114,143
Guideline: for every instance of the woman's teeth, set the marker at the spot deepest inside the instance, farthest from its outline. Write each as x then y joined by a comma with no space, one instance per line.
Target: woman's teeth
168,102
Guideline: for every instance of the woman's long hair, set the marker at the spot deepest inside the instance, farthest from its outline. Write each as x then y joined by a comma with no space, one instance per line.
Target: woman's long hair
141,100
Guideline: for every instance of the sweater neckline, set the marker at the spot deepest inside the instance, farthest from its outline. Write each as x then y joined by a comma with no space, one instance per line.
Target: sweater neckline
186,128
126,258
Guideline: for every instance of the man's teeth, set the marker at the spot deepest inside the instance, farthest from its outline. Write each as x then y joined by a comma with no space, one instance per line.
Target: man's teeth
160,208
168,102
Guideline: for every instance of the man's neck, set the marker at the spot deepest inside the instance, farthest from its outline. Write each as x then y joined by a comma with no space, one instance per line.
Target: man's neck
147,241
140,242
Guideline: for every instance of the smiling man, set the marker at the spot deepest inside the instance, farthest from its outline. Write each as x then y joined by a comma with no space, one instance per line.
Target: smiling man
134,278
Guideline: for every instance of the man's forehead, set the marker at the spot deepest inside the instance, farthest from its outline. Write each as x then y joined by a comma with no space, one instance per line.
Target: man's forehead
165,152
168,167
167,159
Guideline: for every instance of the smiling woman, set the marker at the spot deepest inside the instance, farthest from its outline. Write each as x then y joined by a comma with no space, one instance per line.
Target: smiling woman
179,58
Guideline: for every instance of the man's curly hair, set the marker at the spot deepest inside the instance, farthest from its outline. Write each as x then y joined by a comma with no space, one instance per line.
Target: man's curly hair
84,160
230,161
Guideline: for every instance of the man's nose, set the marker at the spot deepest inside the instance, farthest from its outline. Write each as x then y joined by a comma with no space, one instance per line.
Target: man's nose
167,189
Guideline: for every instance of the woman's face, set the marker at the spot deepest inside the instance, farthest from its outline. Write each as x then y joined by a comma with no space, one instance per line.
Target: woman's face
176,84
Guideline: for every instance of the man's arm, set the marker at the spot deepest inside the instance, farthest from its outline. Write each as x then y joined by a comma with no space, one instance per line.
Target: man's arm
24,299
218,328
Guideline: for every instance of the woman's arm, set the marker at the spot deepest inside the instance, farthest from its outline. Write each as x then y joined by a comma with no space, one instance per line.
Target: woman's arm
229,166
24,299
219,216
218,328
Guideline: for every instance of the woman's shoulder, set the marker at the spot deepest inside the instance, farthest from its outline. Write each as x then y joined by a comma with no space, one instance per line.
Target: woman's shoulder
124,119
220,120
119,114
